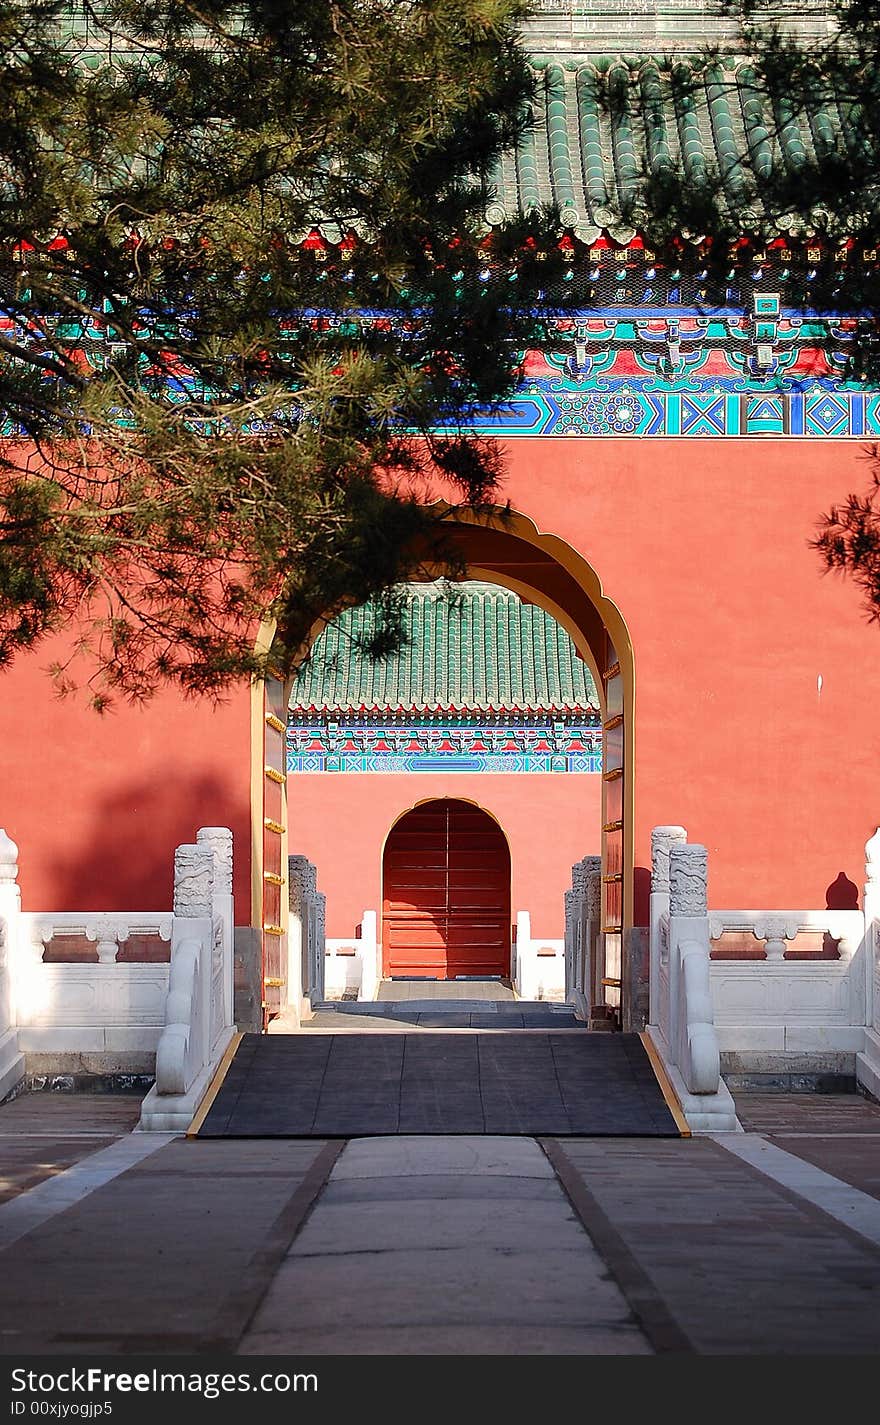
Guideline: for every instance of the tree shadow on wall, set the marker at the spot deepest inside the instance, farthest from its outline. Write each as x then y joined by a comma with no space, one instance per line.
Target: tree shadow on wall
126,861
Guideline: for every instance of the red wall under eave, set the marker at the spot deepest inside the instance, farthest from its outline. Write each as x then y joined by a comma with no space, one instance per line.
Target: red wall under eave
97,804
340,821
703,546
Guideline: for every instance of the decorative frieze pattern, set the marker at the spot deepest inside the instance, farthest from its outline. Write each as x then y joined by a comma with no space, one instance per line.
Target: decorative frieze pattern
562,409
441,746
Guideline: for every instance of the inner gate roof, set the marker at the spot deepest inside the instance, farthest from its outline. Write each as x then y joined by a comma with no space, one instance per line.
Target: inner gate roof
483,652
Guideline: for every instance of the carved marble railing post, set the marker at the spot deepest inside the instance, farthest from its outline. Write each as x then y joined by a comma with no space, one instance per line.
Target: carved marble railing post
320,941
305,935
314,993
218,839
663,838
296,962
197,1029
370,968
868,1062
688,879
524,976
572,926
683,1033
575,946
581,930
872,930
594,963
194,926
11,1061
688,901
193,882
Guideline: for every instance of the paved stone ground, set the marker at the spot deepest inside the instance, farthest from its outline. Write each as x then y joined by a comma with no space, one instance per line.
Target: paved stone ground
43,1134
444,1246
437,1245
356,1085
493,991
813,1114
742,1265
839,1133
408,1014
442,1004
170,1256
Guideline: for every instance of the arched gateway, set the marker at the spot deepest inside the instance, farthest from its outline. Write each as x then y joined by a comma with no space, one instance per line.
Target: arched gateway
508,550
446,893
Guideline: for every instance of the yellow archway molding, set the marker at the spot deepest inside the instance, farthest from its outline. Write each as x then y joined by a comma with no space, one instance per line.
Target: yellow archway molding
528,561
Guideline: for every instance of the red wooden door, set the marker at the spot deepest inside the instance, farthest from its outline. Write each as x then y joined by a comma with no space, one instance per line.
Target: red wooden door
446,893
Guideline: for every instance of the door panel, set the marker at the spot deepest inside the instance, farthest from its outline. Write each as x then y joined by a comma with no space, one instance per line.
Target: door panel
274,897
611,953
446,904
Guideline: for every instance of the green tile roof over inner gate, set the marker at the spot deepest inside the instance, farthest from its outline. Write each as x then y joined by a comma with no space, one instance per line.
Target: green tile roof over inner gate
488,652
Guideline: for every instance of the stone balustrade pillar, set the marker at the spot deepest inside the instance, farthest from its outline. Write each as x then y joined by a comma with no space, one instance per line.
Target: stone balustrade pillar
872,930
688,901
663,838
688,879
11,1061
193,882
218,840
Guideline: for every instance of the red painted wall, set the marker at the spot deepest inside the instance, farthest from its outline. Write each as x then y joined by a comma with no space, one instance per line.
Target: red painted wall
97,804
340,821
703,546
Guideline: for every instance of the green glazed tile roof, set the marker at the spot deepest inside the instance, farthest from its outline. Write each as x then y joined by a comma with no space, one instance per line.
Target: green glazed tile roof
489,652
602,122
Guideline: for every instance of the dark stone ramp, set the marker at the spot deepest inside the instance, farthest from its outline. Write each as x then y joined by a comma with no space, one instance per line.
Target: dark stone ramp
361,1085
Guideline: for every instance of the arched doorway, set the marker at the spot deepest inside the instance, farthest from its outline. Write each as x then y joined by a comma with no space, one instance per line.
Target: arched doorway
446,893
507,548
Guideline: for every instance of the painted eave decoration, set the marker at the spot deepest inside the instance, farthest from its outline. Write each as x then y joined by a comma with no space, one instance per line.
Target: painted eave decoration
635,342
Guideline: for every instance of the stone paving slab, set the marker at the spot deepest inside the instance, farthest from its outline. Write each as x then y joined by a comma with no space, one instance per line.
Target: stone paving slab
44,1134
475,1338
485,1221
429,1187
740,1264
431,1286
157,1258
28,1161
810,1113
854,1209
355,1085
855,1160
70,1113
398,1277
440,1245
31,1210
466,989
839,1133
466,1158
442,1014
